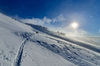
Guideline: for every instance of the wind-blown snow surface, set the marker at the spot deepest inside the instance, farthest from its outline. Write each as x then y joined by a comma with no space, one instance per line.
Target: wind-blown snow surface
20,45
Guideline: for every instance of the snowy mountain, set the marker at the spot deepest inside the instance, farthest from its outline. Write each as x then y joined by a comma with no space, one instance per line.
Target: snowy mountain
33,45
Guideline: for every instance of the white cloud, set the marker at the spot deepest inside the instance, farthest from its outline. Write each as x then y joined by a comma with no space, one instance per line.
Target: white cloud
64,27
59,18
43,21
54,20
36,21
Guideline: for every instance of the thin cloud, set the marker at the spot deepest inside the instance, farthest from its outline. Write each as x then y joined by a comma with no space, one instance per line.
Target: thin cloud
39,21
45,19
49,23
36,21
59,18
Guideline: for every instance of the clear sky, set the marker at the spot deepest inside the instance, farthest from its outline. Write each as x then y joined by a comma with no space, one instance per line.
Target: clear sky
57,13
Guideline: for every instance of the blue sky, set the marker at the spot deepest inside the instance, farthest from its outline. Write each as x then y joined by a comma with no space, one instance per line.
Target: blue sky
56,13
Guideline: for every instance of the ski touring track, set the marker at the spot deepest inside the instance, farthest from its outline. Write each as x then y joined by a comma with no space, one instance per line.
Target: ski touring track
18,57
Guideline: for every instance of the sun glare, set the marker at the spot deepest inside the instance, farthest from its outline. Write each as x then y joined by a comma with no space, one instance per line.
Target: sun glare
74,25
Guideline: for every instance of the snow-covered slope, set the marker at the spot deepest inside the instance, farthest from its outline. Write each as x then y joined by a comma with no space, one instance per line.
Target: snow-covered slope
21,45
17,50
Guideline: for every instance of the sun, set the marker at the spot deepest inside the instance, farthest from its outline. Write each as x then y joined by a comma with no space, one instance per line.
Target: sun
74,25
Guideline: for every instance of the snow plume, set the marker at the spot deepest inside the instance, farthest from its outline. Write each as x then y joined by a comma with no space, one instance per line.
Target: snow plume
76,33
60,23
43,21
47,22
71,32
37,21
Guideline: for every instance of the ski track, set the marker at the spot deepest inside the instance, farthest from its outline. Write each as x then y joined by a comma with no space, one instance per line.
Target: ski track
53,47
18,58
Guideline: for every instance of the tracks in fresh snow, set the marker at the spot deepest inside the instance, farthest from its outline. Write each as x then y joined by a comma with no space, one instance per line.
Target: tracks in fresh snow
85,45
18,58
17,61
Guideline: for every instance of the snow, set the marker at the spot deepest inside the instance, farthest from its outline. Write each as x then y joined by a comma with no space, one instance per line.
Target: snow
20,45
45,58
